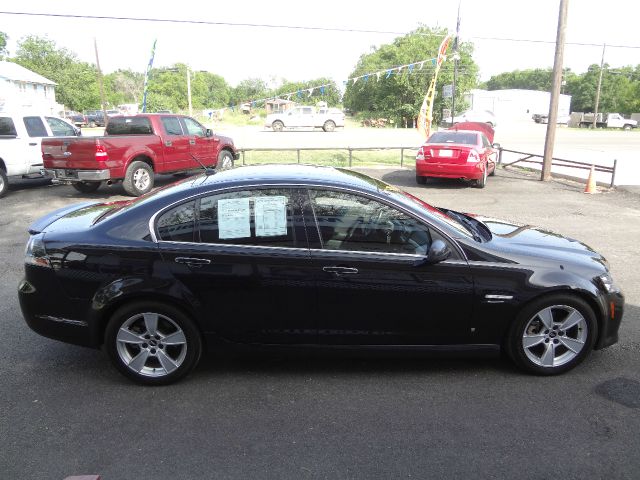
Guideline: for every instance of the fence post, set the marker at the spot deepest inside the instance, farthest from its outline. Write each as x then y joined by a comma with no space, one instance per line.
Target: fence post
298,151
500,156
243,157
350,159
613,174
401,156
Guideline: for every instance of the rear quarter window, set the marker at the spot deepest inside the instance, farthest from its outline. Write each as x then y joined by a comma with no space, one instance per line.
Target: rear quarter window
35,127
7,128
129,126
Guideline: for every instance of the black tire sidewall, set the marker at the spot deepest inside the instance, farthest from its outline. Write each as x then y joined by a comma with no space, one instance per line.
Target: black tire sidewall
4,187
514,340
329,126
128,184
192,334
221,157
277,126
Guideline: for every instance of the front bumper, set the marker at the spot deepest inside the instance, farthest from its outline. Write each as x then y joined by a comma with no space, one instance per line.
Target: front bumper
469,171
614,309
74,175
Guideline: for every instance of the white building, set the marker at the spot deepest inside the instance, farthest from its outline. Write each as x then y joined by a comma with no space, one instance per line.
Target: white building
23,90
513,104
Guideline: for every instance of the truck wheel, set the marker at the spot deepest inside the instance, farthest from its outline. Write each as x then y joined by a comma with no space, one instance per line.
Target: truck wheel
329,126
86,187
138,180
277,126
225,161
4,183
627,127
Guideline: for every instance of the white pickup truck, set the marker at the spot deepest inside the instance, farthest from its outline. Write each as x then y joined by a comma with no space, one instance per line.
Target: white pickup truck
20,139
328,119
607,120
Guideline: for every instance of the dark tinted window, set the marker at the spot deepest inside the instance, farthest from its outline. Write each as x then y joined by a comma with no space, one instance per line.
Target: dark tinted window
129,126
250,217
35,127
464,138
171,125
353,222
7,128
60,128
178,224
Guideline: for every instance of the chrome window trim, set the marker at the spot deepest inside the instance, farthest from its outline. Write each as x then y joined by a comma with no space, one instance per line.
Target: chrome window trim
305,186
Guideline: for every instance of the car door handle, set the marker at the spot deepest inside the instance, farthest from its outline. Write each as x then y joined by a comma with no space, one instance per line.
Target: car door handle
194,262
192,141
168,143
340,270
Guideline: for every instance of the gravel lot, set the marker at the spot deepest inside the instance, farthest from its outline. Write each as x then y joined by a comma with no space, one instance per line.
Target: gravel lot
65,411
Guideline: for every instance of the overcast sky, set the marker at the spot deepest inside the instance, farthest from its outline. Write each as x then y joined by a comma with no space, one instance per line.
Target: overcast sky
238,52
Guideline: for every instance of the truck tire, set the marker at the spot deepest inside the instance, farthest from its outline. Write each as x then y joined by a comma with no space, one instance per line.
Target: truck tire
86,187
225,161
277,126
4,183
139,179
627,127
329,126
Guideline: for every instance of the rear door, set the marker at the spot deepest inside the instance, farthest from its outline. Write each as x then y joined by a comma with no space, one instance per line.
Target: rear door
490,153
201,146
36,129
175,143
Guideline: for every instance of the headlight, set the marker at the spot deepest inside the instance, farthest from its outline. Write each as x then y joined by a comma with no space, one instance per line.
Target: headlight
606,282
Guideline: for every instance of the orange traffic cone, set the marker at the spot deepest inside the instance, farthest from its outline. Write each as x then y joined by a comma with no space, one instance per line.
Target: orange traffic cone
591,182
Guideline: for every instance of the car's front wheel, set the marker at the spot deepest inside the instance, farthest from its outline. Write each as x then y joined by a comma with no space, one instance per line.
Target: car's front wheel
552,334
225,161
329,126
152,343
277,126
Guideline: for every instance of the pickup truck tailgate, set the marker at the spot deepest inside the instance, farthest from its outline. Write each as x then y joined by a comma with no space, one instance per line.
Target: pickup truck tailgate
70,152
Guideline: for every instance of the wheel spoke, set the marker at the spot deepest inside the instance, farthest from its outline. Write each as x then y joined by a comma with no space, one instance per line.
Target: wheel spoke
167,363
574,345
151,322
138,362
549,355
176,338
572,320
547,317
529,341
127,336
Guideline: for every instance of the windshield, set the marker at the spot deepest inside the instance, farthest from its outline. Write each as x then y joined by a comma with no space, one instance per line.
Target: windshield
464,138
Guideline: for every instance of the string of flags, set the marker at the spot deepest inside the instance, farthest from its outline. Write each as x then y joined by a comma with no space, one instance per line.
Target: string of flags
307,92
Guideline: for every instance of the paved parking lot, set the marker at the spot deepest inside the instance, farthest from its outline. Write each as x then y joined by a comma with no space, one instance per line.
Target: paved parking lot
65,411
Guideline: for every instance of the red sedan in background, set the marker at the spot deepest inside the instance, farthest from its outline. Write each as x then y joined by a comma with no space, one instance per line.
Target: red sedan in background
464,151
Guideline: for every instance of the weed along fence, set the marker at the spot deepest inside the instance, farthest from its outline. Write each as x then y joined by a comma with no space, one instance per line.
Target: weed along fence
338,156
561,167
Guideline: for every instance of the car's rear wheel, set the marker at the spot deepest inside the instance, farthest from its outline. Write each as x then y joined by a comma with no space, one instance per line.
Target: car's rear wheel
152,343
482,181
329,126
225,161
86,187
139,179
552,334
277,126
4,183
493,172
420,180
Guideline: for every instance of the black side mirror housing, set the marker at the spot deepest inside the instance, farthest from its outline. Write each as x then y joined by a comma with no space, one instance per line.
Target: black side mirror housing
209,132
77,131
438,252
497,146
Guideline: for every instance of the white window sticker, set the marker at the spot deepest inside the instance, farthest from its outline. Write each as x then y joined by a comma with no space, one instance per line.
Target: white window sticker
270,216
234,217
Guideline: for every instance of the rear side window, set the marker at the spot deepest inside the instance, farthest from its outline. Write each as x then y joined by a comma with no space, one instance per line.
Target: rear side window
35,127
129,126
178,224
7,128
171,125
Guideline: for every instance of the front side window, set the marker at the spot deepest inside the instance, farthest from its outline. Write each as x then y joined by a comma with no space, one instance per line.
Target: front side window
7,127
193,127
35,127
60,128
357,223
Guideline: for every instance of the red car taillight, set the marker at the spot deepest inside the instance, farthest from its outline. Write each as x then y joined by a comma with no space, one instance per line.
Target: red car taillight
473,157
101,153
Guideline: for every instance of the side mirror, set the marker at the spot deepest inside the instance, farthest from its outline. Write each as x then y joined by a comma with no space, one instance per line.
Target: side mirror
438,252
209,132
77,131
497,146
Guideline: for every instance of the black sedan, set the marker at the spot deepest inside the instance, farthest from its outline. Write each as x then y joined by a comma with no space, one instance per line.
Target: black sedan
308,256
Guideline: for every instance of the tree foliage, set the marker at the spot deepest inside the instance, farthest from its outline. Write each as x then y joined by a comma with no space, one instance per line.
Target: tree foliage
401,94
3,45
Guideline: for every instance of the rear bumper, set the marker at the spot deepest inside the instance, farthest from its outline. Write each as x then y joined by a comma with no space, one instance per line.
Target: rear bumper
470,171
73,175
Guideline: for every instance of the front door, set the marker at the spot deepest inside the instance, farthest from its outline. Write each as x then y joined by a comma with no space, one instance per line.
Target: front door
201,146
175,146
372,287
244,262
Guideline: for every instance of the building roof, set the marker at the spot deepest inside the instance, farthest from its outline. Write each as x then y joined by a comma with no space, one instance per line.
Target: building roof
13,71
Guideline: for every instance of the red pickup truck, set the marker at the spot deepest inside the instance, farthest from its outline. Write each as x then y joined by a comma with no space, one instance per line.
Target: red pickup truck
133,149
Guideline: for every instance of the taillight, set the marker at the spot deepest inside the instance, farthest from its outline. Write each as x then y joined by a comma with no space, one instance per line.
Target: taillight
35,253
420,154
473,157
101,153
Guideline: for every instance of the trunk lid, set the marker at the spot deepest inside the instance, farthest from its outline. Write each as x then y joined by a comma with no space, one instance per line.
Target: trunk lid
70,152
73,217
488,131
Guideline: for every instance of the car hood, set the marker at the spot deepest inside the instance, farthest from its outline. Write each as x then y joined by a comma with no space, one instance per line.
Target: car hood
515,239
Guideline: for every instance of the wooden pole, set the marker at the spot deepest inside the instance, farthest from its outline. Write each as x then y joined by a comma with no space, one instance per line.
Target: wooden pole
101,83
189,91
555,92
595,110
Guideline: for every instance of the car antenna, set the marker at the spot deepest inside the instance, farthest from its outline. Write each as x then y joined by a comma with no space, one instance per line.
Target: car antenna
207,170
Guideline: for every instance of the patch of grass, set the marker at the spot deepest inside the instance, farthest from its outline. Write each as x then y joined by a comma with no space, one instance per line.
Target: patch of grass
335,158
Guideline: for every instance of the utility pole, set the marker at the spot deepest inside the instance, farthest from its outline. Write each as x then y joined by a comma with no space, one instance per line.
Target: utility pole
455,67
189,91
104,107
555,92
595,111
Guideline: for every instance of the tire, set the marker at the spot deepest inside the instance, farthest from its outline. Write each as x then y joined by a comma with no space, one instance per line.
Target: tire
537,342
329,126
421,180
225,161
4,183
482,182
135,340
277,126
493,172
627,127
139,179
86,187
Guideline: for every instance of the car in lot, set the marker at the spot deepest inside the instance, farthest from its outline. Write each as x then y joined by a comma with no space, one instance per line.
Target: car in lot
481,116
464,151
95,118
78,119
21,136
295,256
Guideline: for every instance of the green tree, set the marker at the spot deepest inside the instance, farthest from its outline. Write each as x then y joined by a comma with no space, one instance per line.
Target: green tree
3,44
535,79
123,86
400,96
248,90
300,91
